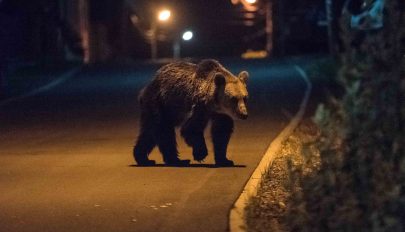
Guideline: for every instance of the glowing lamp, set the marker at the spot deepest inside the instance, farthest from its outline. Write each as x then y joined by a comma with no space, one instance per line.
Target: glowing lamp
188,35
164,15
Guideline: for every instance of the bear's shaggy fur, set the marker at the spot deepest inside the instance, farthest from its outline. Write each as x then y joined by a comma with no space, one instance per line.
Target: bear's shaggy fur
189,95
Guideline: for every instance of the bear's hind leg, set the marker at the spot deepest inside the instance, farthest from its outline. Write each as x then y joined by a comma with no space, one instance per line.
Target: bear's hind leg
221,130
168,146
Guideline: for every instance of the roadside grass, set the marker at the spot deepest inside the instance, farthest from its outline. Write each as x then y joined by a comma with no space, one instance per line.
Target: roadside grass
267,210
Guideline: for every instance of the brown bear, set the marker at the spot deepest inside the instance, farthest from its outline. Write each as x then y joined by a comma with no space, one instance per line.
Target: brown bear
188,96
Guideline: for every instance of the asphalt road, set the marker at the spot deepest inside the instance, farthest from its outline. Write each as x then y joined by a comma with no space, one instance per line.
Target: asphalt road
66,155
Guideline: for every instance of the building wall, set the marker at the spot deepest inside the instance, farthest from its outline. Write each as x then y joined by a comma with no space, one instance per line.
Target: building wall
30,30
103,26
89,30
75,13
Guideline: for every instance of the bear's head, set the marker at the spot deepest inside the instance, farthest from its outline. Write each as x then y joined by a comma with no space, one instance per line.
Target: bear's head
231,94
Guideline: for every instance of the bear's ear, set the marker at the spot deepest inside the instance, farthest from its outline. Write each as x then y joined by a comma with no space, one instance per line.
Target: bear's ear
243,76
219,79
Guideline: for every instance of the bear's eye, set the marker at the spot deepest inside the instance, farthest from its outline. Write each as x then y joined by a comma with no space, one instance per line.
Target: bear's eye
234,99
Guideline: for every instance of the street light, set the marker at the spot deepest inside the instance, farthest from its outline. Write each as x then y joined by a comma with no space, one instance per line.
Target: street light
162,16
251,1
186,36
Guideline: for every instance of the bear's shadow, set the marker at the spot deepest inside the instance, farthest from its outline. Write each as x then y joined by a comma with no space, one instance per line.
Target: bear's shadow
187,166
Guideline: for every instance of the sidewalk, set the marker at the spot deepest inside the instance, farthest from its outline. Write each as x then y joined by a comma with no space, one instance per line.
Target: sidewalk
22,79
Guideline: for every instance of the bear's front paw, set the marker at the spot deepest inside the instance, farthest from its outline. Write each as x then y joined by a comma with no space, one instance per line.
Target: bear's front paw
224,163
200,154
178,163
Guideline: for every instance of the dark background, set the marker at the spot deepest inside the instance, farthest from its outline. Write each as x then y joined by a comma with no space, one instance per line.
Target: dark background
55,30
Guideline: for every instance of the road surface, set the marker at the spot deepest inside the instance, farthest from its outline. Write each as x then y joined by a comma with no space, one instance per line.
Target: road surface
66,155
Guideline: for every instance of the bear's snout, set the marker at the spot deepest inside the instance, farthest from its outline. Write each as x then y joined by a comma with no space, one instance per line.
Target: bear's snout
242,110
242,113
243,116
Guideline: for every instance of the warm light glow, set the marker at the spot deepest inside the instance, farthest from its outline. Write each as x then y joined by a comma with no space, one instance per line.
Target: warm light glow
251,1
187,35
164,15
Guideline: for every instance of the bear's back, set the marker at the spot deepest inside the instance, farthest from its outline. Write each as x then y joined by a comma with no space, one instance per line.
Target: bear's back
174,71
179,82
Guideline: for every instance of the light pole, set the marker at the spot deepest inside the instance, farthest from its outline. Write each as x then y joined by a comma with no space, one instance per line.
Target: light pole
162,16
253,6
269,27
186,36
329,20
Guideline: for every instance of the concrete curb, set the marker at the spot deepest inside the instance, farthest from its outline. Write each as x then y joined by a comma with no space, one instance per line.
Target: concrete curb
62,78
237,217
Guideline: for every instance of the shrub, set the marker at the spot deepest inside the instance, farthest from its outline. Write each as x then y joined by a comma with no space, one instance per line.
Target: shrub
360,184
